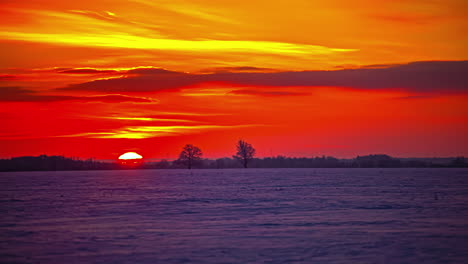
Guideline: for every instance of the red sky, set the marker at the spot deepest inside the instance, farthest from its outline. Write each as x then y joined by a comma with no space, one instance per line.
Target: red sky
97,78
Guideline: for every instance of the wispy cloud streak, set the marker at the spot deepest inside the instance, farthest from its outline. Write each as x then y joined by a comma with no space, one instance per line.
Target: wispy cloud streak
140,132
141,42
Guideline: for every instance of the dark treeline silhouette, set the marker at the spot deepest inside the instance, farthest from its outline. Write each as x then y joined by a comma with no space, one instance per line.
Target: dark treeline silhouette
53,163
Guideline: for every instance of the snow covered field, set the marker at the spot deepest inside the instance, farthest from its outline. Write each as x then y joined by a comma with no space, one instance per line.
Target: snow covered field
235,216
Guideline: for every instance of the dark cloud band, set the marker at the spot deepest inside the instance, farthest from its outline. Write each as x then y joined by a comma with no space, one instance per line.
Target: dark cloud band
19,94
431,76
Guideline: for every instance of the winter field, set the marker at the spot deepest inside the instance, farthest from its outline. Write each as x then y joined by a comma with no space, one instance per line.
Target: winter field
235,216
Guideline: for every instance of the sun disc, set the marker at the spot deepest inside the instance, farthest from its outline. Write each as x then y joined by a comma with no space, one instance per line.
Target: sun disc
130,155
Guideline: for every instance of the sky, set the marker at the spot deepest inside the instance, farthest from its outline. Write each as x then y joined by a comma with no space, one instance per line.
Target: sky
97,78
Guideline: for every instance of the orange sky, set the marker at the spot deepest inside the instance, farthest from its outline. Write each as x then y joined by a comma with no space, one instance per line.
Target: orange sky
298,78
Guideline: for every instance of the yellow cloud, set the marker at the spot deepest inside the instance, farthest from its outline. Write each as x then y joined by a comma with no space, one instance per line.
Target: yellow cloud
140,132
138,42
151,119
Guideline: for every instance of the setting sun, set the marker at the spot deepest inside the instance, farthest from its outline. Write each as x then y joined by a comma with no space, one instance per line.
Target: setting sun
130,156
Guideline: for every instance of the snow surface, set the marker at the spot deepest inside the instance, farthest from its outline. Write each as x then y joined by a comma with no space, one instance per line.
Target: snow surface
235,216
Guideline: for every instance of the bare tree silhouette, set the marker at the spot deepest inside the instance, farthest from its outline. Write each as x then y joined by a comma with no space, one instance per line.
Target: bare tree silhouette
245,152
190,155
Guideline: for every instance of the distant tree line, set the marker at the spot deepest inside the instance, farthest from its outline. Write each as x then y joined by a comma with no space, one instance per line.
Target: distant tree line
368,161
52,163
55,163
